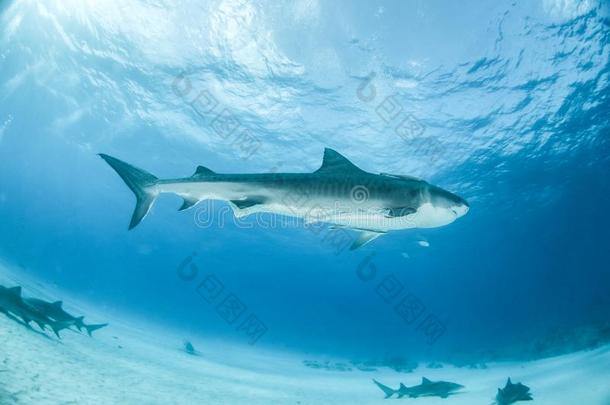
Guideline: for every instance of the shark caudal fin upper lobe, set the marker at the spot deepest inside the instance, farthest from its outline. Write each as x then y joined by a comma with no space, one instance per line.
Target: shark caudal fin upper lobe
386,390
140,182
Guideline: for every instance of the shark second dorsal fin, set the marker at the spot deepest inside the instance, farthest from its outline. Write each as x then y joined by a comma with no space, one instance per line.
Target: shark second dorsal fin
425,381
202,171
333,161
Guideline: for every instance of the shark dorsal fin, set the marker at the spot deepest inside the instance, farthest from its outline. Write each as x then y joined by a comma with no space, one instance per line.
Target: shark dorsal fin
202,170
509,382
425,381
57,304
15,290
402,386
334,161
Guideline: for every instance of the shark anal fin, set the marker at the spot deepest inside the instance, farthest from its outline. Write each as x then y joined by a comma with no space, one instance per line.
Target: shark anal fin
248,202
399,212
364,238
188,203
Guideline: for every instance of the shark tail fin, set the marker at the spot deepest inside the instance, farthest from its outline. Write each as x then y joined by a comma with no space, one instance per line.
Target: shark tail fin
386,390
140,182
93,328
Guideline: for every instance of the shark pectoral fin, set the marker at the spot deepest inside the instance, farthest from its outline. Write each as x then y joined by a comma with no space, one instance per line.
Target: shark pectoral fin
188,203
248,202
364,238
399,212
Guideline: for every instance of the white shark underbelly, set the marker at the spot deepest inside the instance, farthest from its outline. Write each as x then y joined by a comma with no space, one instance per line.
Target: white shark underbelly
280,201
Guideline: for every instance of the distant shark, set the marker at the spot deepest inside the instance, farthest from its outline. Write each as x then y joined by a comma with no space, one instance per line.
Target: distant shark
55,311
11,303
338,193
427,388
512,393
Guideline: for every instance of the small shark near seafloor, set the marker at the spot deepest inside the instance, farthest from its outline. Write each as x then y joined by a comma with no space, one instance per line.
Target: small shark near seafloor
338,193
427,388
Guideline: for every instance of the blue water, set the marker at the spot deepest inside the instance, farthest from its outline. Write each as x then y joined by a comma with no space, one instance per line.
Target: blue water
505,104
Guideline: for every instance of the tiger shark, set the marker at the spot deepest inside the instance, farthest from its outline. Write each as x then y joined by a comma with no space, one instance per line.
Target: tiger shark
338,193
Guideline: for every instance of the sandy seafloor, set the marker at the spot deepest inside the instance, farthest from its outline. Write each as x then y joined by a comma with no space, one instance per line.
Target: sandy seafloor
133,362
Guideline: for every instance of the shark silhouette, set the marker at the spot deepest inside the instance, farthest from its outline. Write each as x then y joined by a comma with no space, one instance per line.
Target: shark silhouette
55,311
427,388
512,393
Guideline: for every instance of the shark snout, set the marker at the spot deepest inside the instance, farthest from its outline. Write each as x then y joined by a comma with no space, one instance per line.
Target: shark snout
460,208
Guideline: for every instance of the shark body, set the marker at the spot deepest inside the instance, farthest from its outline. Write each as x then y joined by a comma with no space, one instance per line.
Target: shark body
11,303
338,193
55,311
427,388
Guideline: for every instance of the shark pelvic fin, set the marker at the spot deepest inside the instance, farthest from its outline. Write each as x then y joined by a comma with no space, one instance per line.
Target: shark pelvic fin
386,390
333,161
140,182
364,238
202,171
188,203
